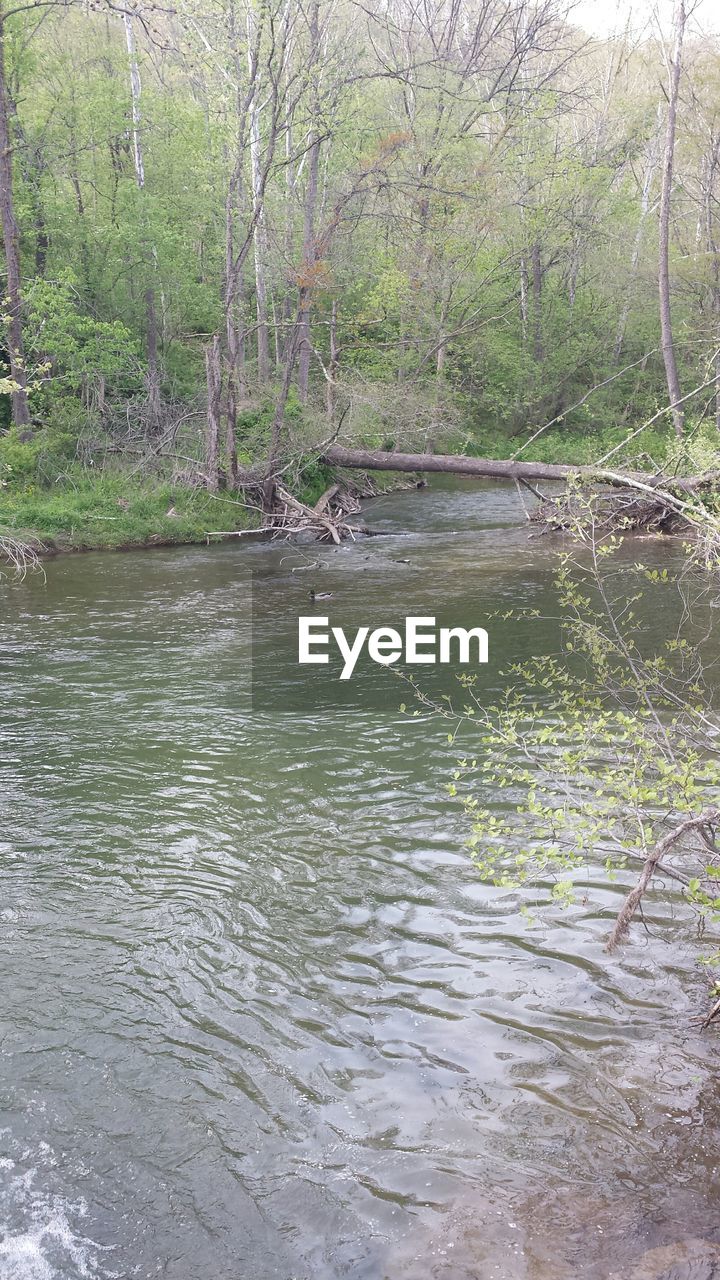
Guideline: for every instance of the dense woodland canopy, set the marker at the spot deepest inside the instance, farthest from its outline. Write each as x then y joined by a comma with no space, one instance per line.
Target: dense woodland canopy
428,223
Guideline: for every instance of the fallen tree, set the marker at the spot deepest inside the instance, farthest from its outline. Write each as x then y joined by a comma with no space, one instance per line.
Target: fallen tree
510,469
337,455
622,501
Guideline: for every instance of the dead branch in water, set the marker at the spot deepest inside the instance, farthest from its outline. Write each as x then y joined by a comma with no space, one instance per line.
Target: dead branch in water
327,521
639,508
713,1014
705,822
622,502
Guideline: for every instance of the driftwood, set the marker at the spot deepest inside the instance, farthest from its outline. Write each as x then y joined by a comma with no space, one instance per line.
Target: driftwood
613,511
327,520
326,498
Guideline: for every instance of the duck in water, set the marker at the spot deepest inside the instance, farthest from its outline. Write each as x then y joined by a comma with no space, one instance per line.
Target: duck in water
320,595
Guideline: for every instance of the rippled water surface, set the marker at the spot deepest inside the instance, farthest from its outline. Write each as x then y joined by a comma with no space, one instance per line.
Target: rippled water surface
259,1017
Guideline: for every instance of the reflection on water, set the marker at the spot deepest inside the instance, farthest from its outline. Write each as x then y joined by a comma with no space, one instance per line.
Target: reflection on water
260,1019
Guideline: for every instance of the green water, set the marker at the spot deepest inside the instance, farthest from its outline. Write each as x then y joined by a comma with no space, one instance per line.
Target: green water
259,1017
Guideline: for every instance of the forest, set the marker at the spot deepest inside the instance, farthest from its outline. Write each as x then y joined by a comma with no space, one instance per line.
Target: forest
239,233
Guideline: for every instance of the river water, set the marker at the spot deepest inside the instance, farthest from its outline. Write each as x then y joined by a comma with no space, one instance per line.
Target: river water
259,1017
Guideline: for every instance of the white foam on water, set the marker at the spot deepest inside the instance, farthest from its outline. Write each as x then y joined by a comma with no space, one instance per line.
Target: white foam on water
37,1241
45,1252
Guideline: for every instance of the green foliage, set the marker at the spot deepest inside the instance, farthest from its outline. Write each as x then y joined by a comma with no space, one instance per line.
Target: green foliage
26,464
18,459
76,351
483,281
314,478
436,267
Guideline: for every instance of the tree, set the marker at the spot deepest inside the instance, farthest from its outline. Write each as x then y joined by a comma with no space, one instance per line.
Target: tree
311,196
11,245
666,329
153,379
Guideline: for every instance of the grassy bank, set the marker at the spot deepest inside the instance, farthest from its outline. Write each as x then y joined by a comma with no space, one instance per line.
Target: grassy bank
117,510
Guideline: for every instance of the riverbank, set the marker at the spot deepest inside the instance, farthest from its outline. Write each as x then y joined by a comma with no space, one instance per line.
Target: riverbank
52,503
121,509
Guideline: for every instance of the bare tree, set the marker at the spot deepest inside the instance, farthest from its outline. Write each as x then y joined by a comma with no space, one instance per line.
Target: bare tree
266,91
311,195
360,185
11,244
153,379
713,248
260,240
706,114
214,390
666,330
651,161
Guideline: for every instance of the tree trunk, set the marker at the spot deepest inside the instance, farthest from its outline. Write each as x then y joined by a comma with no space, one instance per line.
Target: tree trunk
537,283
261,297
337,455
11,245
232,301
574,273
449,464
713,164
309,247
650,167
291,352
212,455
233,292
715,306
42,241
260,231
331,395
32,168
666,333
288,302
524,283
153,379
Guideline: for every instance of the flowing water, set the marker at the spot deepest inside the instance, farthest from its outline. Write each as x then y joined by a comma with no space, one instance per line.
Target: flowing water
259,1017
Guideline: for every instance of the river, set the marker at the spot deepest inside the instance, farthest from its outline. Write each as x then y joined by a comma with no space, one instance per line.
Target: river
260,1019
